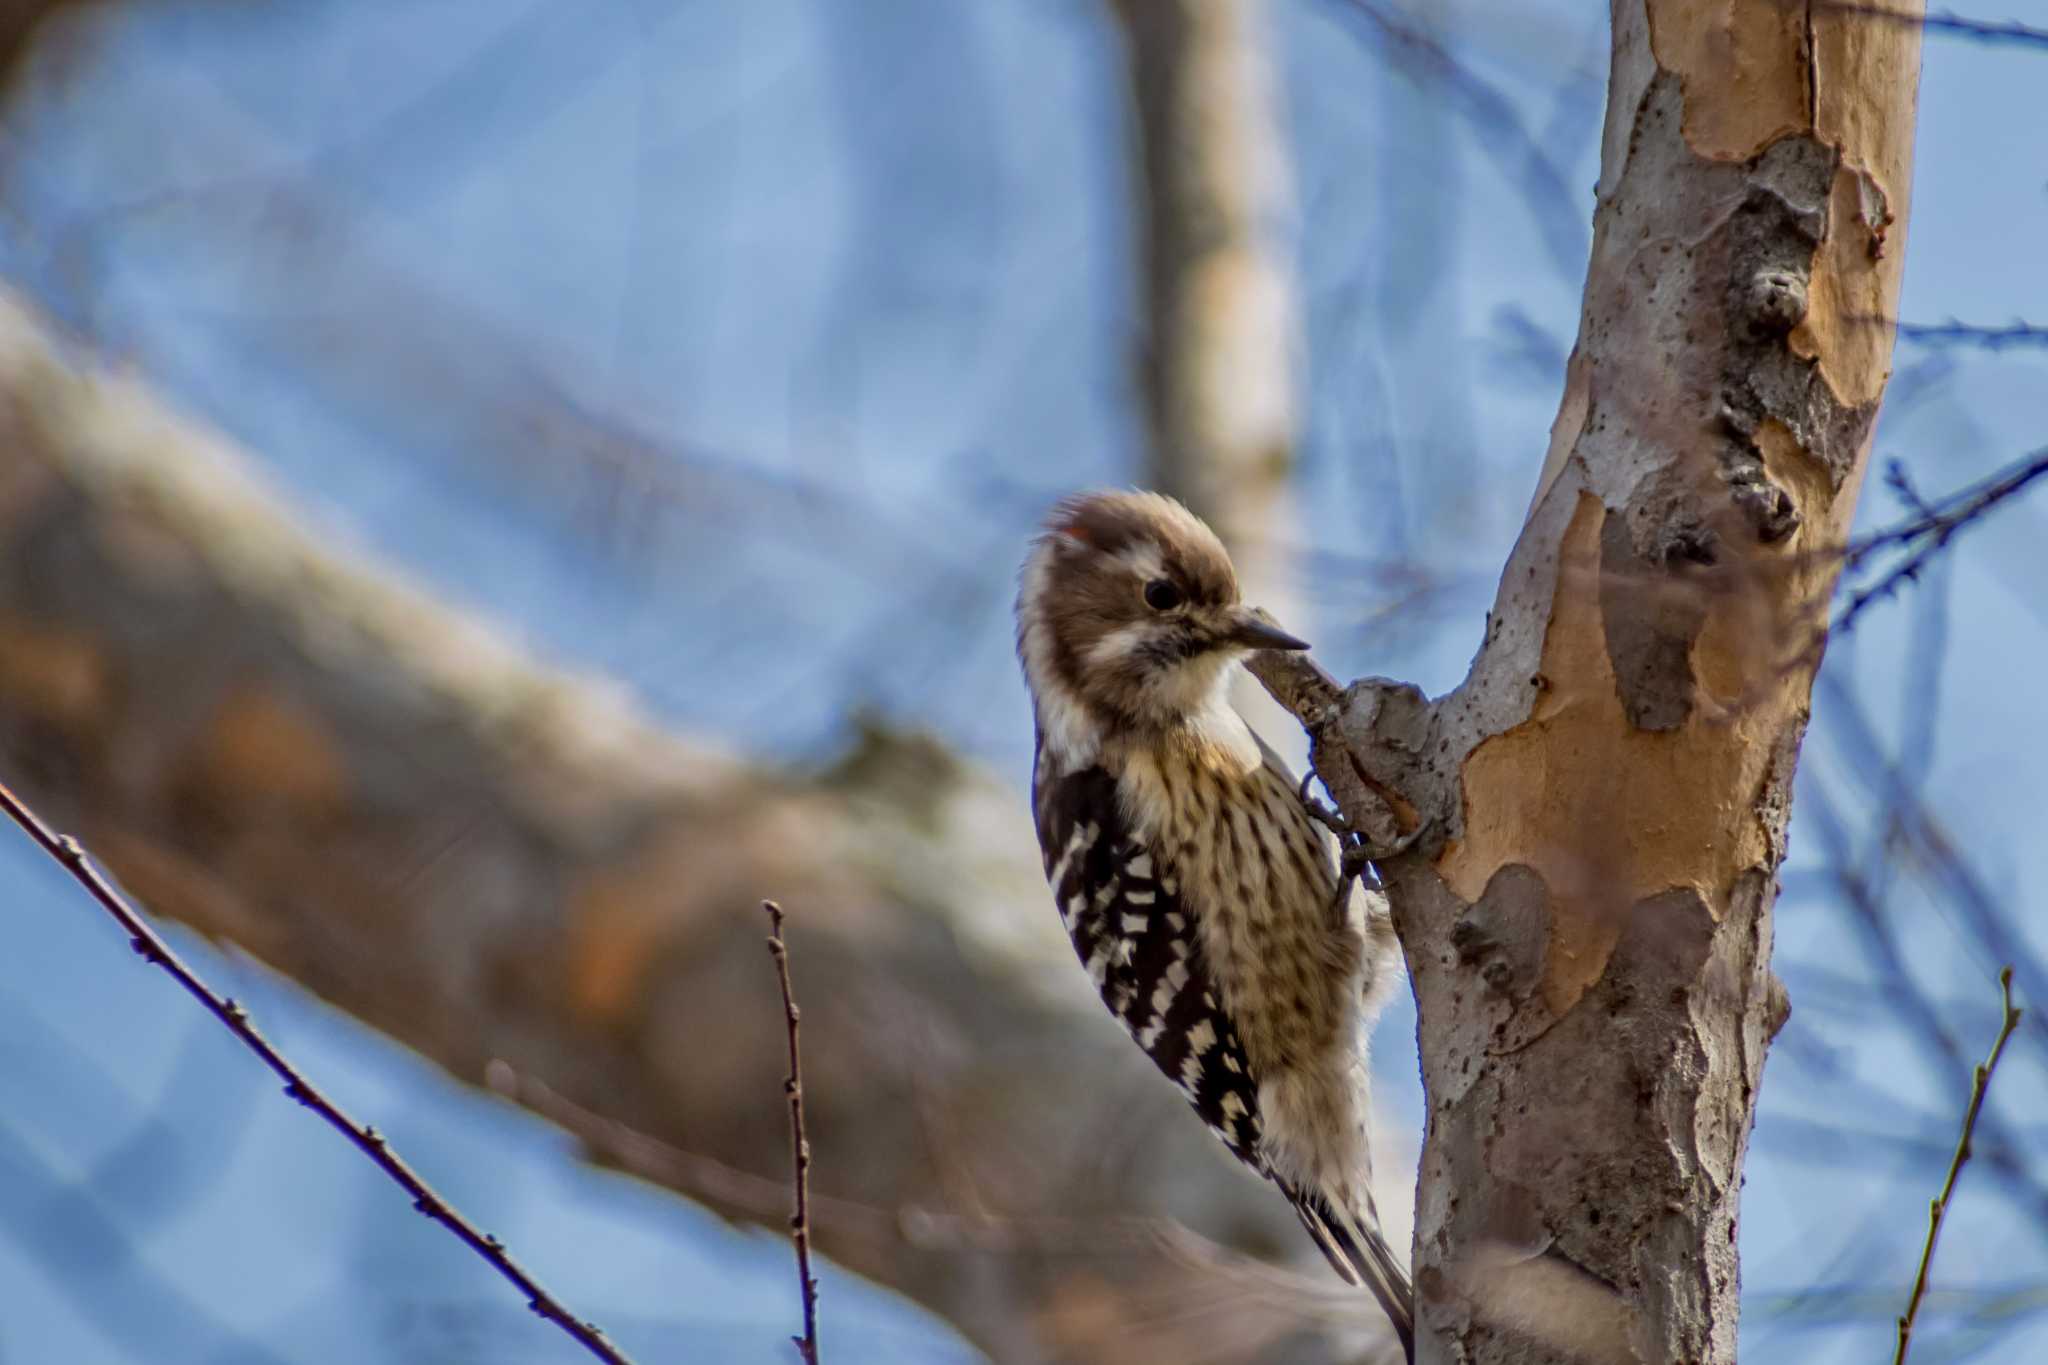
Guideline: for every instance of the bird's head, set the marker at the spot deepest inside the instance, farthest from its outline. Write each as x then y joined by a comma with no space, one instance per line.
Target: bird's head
1129,613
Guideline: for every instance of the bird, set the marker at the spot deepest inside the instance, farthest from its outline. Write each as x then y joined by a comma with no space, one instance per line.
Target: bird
1202,896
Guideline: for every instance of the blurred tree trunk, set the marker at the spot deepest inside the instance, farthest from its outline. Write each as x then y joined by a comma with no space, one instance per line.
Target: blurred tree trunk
1218,359
23,24
1582,840
513,872
1221,350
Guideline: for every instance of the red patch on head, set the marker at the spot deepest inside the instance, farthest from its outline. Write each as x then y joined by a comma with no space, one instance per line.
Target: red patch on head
1076,530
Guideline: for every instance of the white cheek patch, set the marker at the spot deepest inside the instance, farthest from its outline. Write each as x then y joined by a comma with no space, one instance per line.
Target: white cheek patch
1118,646
1192,688
1143,559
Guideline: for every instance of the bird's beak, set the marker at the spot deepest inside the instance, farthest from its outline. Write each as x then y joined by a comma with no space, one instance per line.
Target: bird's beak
1255,630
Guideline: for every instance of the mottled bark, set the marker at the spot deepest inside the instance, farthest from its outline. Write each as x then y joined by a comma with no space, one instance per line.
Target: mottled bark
1220,343
292,751
1582,840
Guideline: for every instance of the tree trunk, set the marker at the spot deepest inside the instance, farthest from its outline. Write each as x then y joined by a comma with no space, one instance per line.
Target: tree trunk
1582,840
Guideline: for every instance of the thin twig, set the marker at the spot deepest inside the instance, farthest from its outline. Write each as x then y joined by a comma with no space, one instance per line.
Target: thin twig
1922,538
1961,26
1954,333
1864,897
1932,531
1522,156
800,1146
373,1144
1957,509
1980,1083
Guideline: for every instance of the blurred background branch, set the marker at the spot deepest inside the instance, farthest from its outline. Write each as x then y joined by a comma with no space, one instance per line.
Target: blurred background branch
493,861
724,356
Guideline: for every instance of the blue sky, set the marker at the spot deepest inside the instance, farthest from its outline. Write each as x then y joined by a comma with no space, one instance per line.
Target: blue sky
870,267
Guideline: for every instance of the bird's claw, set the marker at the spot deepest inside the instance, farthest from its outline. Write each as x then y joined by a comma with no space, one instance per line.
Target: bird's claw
1324,815
1353,862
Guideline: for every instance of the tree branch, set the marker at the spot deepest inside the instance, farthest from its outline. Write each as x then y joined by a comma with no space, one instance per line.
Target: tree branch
279,741
1953,333
374,1145
799,1144
1980,1085
1948,22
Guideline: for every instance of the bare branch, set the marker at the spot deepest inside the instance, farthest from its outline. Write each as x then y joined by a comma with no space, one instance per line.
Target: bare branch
461,780
1930,531
1954,333
1500,133
1956,25
1980,1084
1927,533
1317,701
800,1146
1301,686
1947,873
1863,898
150,945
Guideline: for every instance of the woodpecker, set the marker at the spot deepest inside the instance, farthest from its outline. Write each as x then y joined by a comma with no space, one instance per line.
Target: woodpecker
1200,894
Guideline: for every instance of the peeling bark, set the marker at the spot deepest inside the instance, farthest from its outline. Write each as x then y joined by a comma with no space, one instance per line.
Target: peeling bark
1581,841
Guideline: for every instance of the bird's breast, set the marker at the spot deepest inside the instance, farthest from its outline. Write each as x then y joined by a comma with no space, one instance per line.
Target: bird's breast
1260,882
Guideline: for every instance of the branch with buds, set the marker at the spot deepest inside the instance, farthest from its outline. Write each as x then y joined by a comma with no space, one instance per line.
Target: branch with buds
799,1142
1980,1086
150,945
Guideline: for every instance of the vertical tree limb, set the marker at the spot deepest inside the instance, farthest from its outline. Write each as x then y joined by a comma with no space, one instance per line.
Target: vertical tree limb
1581,841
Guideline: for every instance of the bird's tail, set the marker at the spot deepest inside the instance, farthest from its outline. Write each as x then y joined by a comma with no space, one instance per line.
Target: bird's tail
1360,1255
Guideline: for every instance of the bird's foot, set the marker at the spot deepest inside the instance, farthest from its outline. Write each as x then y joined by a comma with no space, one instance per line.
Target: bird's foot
1353,861
1325,815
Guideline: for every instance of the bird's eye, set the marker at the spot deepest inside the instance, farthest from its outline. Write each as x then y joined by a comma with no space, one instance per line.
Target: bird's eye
1161,595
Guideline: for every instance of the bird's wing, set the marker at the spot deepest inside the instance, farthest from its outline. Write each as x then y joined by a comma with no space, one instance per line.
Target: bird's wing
1270,756
1278,773
1122,907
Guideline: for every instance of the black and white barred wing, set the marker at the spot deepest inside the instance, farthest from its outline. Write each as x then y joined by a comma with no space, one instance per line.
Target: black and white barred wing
1123,911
